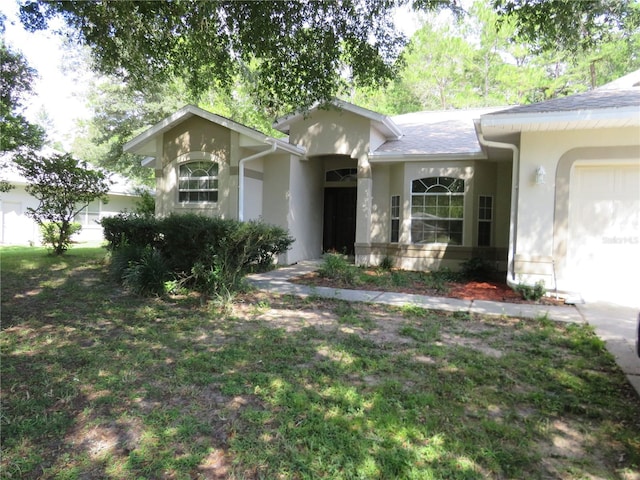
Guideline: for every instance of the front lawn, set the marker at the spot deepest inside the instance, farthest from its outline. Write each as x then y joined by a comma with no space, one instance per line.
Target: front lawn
98,383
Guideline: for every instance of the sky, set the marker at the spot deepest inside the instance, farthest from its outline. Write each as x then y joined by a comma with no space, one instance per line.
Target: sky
60,92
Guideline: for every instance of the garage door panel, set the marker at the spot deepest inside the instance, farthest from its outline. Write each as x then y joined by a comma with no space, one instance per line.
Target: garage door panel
604,231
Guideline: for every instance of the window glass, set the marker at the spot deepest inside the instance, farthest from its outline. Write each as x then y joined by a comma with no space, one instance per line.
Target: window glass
198,182
395,218
485,217
342,175
437,210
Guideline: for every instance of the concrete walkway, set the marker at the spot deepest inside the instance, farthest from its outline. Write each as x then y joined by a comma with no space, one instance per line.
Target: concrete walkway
614,324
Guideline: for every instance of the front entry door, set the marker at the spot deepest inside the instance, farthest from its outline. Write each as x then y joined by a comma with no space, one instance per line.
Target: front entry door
340,219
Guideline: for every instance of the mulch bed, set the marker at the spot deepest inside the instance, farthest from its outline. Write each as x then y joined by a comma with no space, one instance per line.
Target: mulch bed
469,290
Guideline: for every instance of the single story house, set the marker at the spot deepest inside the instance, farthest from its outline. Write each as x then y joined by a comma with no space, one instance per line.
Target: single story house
16,228
546,192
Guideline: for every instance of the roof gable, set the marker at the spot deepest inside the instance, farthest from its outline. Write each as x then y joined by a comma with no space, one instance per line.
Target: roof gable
144,144
382,122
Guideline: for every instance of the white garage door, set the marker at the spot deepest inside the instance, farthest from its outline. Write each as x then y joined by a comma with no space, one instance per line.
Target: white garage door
604,232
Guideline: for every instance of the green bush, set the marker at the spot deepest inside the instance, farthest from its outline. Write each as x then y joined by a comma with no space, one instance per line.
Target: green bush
211,255
336,267
129,229
123,257
531,292
386,263
477,268
53,236
148,274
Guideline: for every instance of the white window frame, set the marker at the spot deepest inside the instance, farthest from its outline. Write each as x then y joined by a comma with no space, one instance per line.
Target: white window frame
204,187
394,224
426,208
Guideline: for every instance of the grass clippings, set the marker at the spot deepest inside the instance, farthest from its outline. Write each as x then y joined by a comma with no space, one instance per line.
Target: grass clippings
98,383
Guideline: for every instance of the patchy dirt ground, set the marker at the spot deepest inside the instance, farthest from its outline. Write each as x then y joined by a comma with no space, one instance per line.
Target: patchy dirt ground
468,290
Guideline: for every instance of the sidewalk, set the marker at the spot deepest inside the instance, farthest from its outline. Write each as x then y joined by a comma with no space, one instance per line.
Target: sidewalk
613,324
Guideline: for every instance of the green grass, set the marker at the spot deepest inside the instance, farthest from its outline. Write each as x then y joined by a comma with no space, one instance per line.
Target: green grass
98,383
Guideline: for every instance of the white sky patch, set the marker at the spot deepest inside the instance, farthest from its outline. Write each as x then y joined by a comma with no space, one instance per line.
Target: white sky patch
60,94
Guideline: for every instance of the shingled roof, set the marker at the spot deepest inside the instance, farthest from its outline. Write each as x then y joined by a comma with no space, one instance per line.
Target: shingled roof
435,133
621,93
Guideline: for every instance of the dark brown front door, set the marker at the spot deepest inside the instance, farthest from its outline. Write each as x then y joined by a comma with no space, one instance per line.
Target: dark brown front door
340,219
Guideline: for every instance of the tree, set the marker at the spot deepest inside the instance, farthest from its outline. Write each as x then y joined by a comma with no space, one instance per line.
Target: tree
569,25
64,187
120,111
300,49
16,77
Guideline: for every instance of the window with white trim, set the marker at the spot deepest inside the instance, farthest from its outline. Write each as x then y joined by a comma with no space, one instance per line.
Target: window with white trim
395,218
485,219
198,182
437,209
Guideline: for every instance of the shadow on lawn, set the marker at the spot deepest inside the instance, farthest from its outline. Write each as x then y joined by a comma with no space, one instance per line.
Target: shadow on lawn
100,384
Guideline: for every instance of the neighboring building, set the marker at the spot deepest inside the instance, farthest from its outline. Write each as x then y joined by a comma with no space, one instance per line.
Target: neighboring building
16,228
547,192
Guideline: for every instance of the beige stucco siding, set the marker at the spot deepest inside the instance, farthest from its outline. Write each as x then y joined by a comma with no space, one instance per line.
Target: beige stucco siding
276,191
543,208
196,139
196,135
328,132
381,204
304,217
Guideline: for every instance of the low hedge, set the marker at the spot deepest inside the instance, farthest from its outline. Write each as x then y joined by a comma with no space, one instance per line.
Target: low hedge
210,254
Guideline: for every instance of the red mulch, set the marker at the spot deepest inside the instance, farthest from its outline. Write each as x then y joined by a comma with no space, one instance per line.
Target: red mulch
469,290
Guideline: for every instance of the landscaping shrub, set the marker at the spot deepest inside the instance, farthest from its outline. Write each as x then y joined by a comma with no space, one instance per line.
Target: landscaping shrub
188,239
130,229
121,258
531,292
386,263
337,267
51,234
477,268
148,274
211,255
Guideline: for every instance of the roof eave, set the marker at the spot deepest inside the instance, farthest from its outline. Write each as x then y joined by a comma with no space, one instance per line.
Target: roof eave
564,120
394,157
137,144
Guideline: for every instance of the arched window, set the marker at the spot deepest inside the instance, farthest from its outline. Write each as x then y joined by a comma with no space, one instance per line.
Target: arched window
342,175
437,208
198,182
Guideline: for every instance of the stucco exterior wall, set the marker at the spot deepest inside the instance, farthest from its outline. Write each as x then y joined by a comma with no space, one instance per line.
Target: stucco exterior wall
380,204
275,193
16,228
328,132
304,217
192,140
481,178
253,189
539,230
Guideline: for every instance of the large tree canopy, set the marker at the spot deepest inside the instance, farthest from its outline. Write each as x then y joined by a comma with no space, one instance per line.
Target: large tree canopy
301,48
299,51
